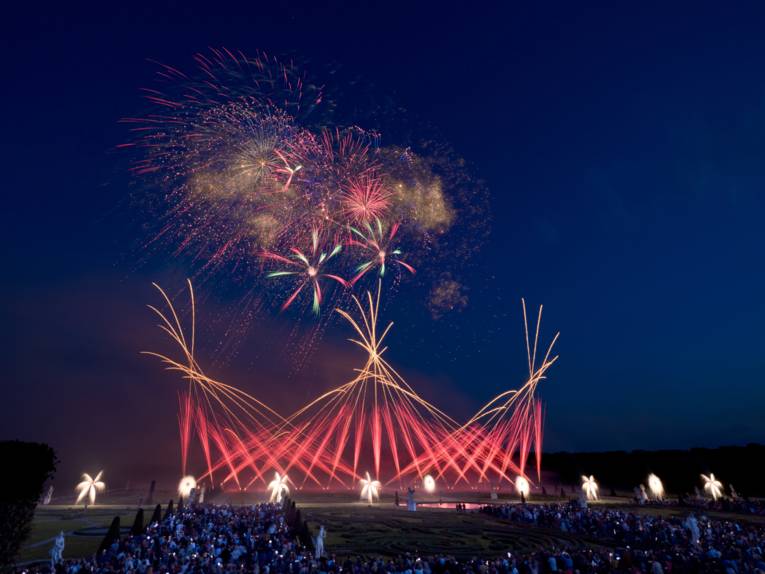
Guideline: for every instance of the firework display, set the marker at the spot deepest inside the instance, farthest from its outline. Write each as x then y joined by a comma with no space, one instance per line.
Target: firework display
89,486
257,180
278,487
253,177
374,427
590,487
711,485
370,489
186,486
429,484
522,487
656,486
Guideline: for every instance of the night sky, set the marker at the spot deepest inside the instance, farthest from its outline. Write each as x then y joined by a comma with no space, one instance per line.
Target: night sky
623,148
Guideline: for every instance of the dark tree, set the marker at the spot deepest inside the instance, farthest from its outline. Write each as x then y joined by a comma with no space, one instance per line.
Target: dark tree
157,516
150,500
169,510
137,528
112,535
297,521
33,464
304,535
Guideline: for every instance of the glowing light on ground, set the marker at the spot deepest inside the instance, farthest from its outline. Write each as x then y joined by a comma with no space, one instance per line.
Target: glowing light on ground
429,484
89,486
370,489
522,486
278,487
655,486
712,486
590,487
187,484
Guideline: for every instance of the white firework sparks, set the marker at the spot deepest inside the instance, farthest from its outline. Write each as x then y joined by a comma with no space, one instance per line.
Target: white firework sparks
370,489
713,486
655,486
187,484
89,486
522,486
590,487
278,487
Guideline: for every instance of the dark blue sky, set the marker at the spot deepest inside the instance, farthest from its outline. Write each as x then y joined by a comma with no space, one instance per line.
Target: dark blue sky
623,147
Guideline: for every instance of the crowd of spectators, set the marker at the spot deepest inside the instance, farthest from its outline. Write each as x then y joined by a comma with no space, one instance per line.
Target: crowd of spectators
646,542
736,505
203,538
273,539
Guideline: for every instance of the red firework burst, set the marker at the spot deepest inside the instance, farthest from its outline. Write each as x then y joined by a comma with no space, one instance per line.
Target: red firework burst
365,198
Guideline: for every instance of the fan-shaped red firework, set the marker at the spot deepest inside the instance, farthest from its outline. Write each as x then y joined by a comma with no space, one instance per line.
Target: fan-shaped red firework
375,422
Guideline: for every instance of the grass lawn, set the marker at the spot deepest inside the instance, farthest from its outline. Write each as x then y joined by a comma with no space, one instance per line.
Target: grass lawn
356,529
50,520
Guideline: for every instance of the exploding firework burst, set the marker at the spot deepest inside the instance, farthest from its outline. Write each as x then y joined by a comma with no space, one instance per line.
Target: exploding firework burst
248,162
365,199
377,246
307,267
